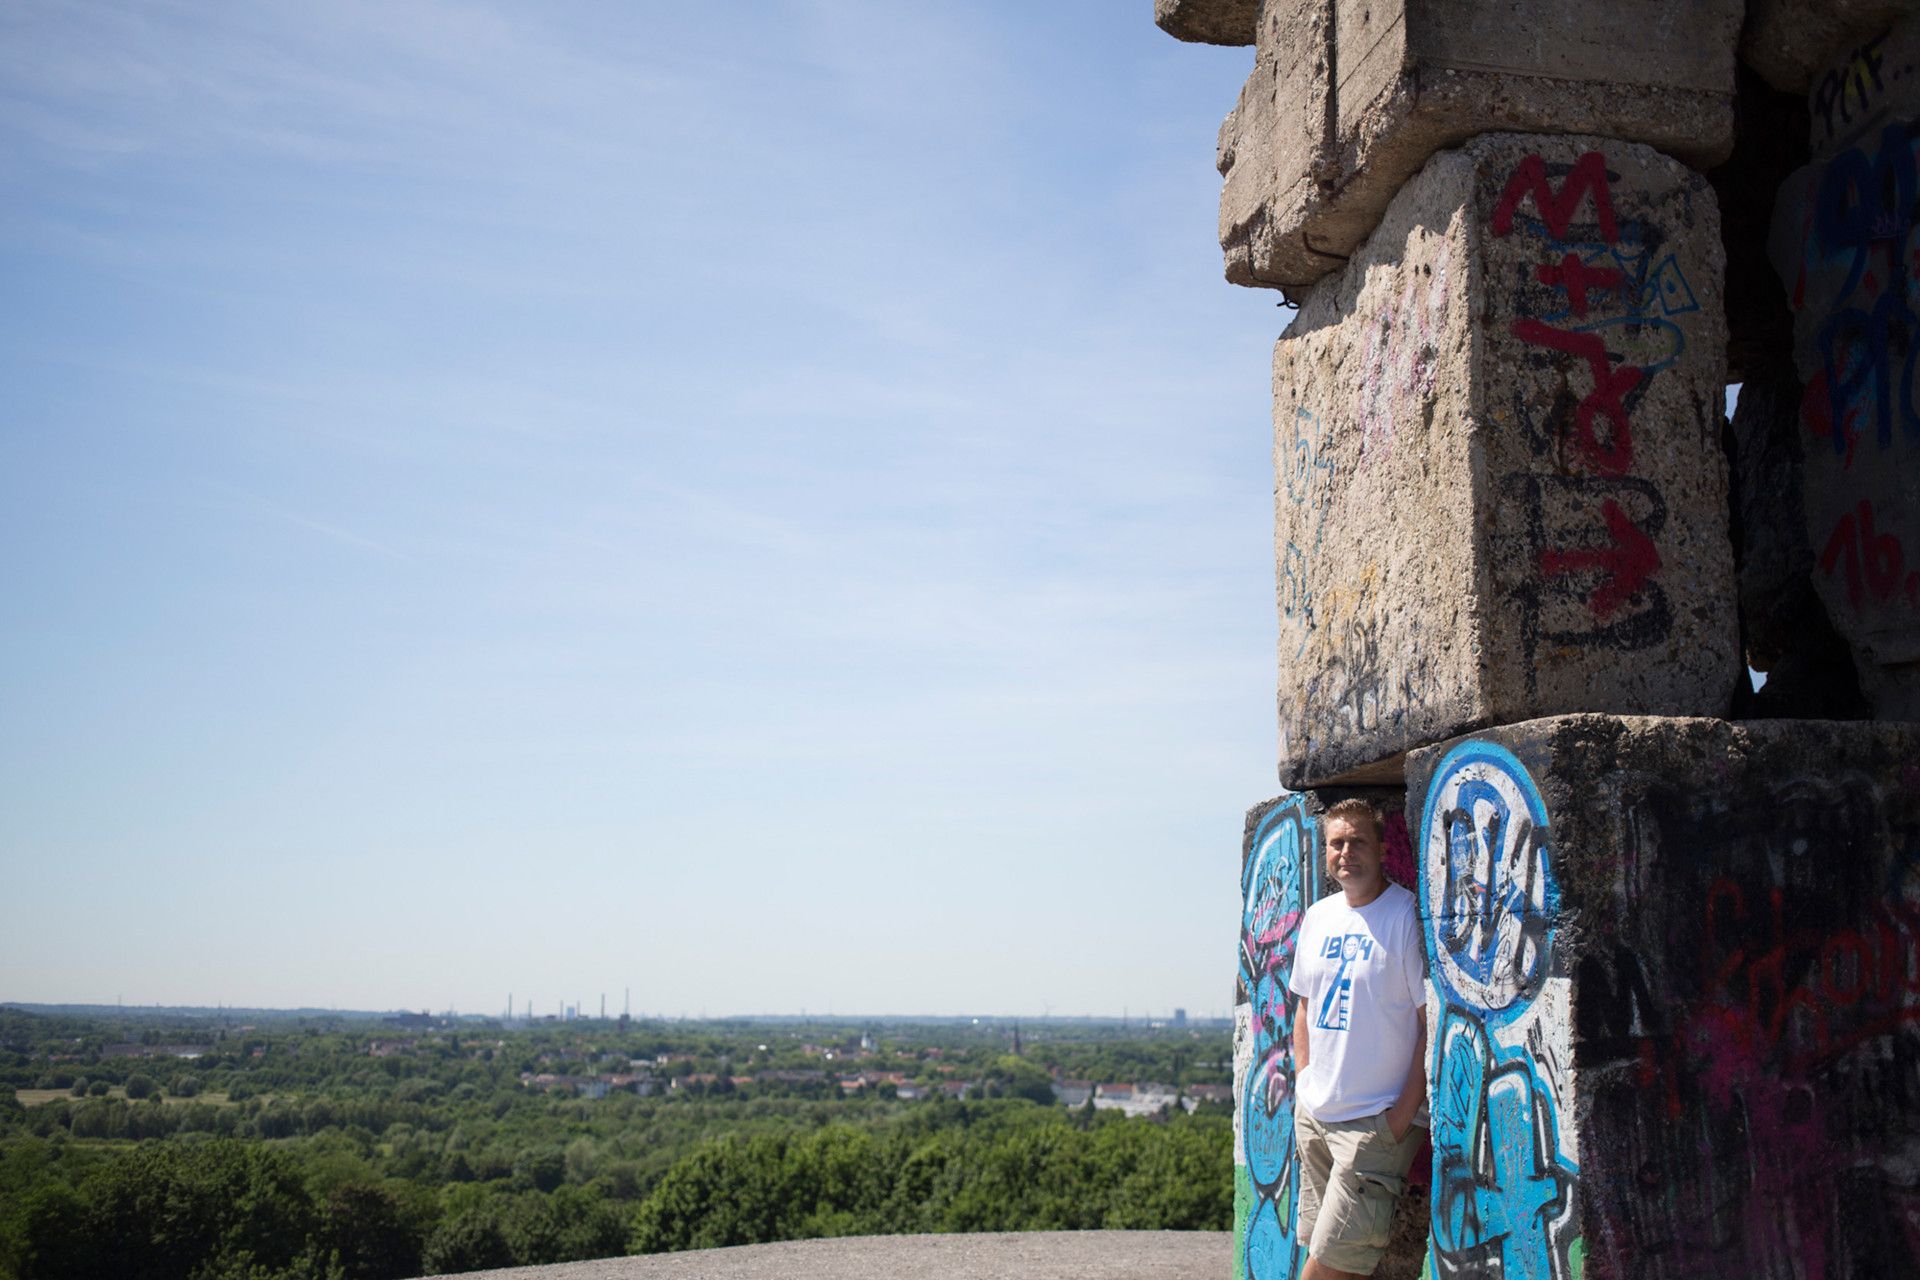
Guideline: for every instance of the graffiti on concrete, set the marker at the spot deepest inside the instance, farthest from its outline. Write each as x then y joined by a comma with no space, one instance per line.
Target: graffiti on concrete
1596,309
1848,245
1591,589
1585,180
1490,895
1396,858
1369,684
1607,447
1279,882
1874,563
1504,1167
1397,366
1359,681
1856,269
1617,1017
1306,468
1852,90
1625,562
1754,1057
1307,471
1502,1192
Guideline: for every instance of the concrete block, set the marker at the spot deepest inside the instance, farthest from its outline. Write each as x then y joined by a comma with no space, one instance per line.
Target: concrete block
1868,84
1500,491
1792,42
1846,243
1275,153
1406,78
1208,21
1282,873
1675,981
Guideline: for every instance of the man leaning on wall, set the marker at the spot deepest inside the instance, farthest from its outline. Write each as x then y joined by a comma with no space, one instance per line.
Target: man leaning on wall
1359,1049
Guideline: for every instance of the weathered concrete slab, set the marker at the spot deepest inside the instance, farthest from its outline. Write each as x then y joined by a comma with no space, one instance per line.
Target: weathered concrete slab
1869,84
1276,156
1028,1255
1348,98
1208,21
1500,491
1793,42
1675,971
1847,244
1282,873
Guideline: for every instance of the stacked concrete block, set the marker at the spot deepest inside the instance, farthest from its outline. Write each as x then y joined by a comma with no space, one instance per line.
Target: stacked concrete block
1208,21
1675,981
1792,43
1674,960
1847,245
1281,875
1500,490
1275,157
1348,99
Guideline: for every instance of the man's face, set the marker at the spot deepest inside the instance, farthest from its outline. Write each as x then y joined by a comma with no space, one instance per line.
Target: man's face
1353,856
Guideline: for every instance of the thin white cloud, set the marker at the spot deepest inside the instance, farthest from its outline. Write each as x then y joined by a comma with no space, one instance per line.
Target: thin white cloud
822,409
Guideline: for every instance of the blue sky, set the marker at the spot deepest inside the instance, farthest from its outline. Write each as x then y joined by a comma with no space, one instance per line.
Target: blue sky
766,504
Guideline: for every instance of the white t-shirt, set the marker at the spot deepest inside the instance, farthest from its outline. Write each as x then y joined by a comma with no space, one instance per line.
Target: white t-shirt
1363,977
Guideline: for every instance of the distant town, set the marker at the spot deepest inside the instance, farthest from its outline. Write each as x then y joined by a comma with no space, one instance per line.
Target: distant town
903,1058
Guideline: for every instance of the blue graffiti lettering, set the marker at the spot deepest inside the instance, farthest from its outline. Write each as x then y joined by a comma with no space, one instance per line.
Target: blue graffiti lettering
1503,1194
1502,1191
1669,284
1860,225
1868,358
1866,199
1277,885
1493,916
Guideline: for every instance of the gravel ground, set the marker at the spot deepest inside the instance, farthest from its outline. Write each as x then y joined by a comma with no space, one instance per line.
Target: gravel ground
1026,1255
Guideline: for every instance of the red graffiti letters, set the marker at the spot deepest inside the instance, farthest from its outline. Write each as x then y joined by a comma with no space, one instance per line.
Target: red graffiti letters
1814,993
1588,177
1587,180
1875,562
1576,277
1592,341
1614,455
1628,563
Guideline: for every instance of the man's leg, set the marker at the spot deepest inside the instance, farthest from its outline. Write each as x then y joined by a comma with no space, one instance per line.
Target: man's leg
1355,1217
1316,1164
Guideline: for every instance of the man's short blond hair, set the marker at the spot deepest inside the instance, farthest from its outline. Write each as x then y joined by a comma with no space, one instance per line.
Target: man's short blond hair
1353,809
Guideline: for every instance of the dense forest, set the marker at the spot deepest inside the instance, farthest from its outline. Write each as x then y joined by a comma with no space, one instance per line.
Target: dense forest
281,1148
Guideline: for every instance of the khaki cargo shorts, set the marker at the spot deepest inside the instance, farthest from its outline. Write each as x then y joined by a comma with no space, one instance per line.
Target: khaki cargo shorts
1351,1175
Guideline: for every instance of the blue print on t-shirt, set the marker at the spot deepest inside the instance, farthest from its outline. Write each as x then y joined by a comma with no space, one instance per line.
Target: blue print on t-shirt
1337,1003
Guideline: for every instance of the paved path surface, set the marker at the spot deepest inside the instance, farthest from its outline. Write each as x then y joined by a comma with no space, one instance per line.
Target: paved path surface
1026,1255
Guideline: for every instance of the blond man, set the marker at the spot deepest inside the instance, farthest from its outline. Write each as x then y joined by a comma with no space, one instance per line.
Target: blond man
1359,1045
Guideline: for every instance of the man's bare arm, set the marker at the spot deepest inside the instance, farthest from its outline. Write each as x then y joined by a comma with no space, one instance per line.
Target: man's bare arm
1413,1094
1300,1036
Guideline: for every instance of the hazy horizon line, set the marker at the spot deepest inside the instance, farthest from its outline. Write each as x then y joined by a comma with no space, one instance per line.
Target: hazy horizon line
1125,1015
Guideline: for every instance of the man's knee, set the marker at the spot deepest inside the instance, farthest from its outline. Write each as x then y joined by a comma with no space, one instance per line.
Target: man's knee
1355,1219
